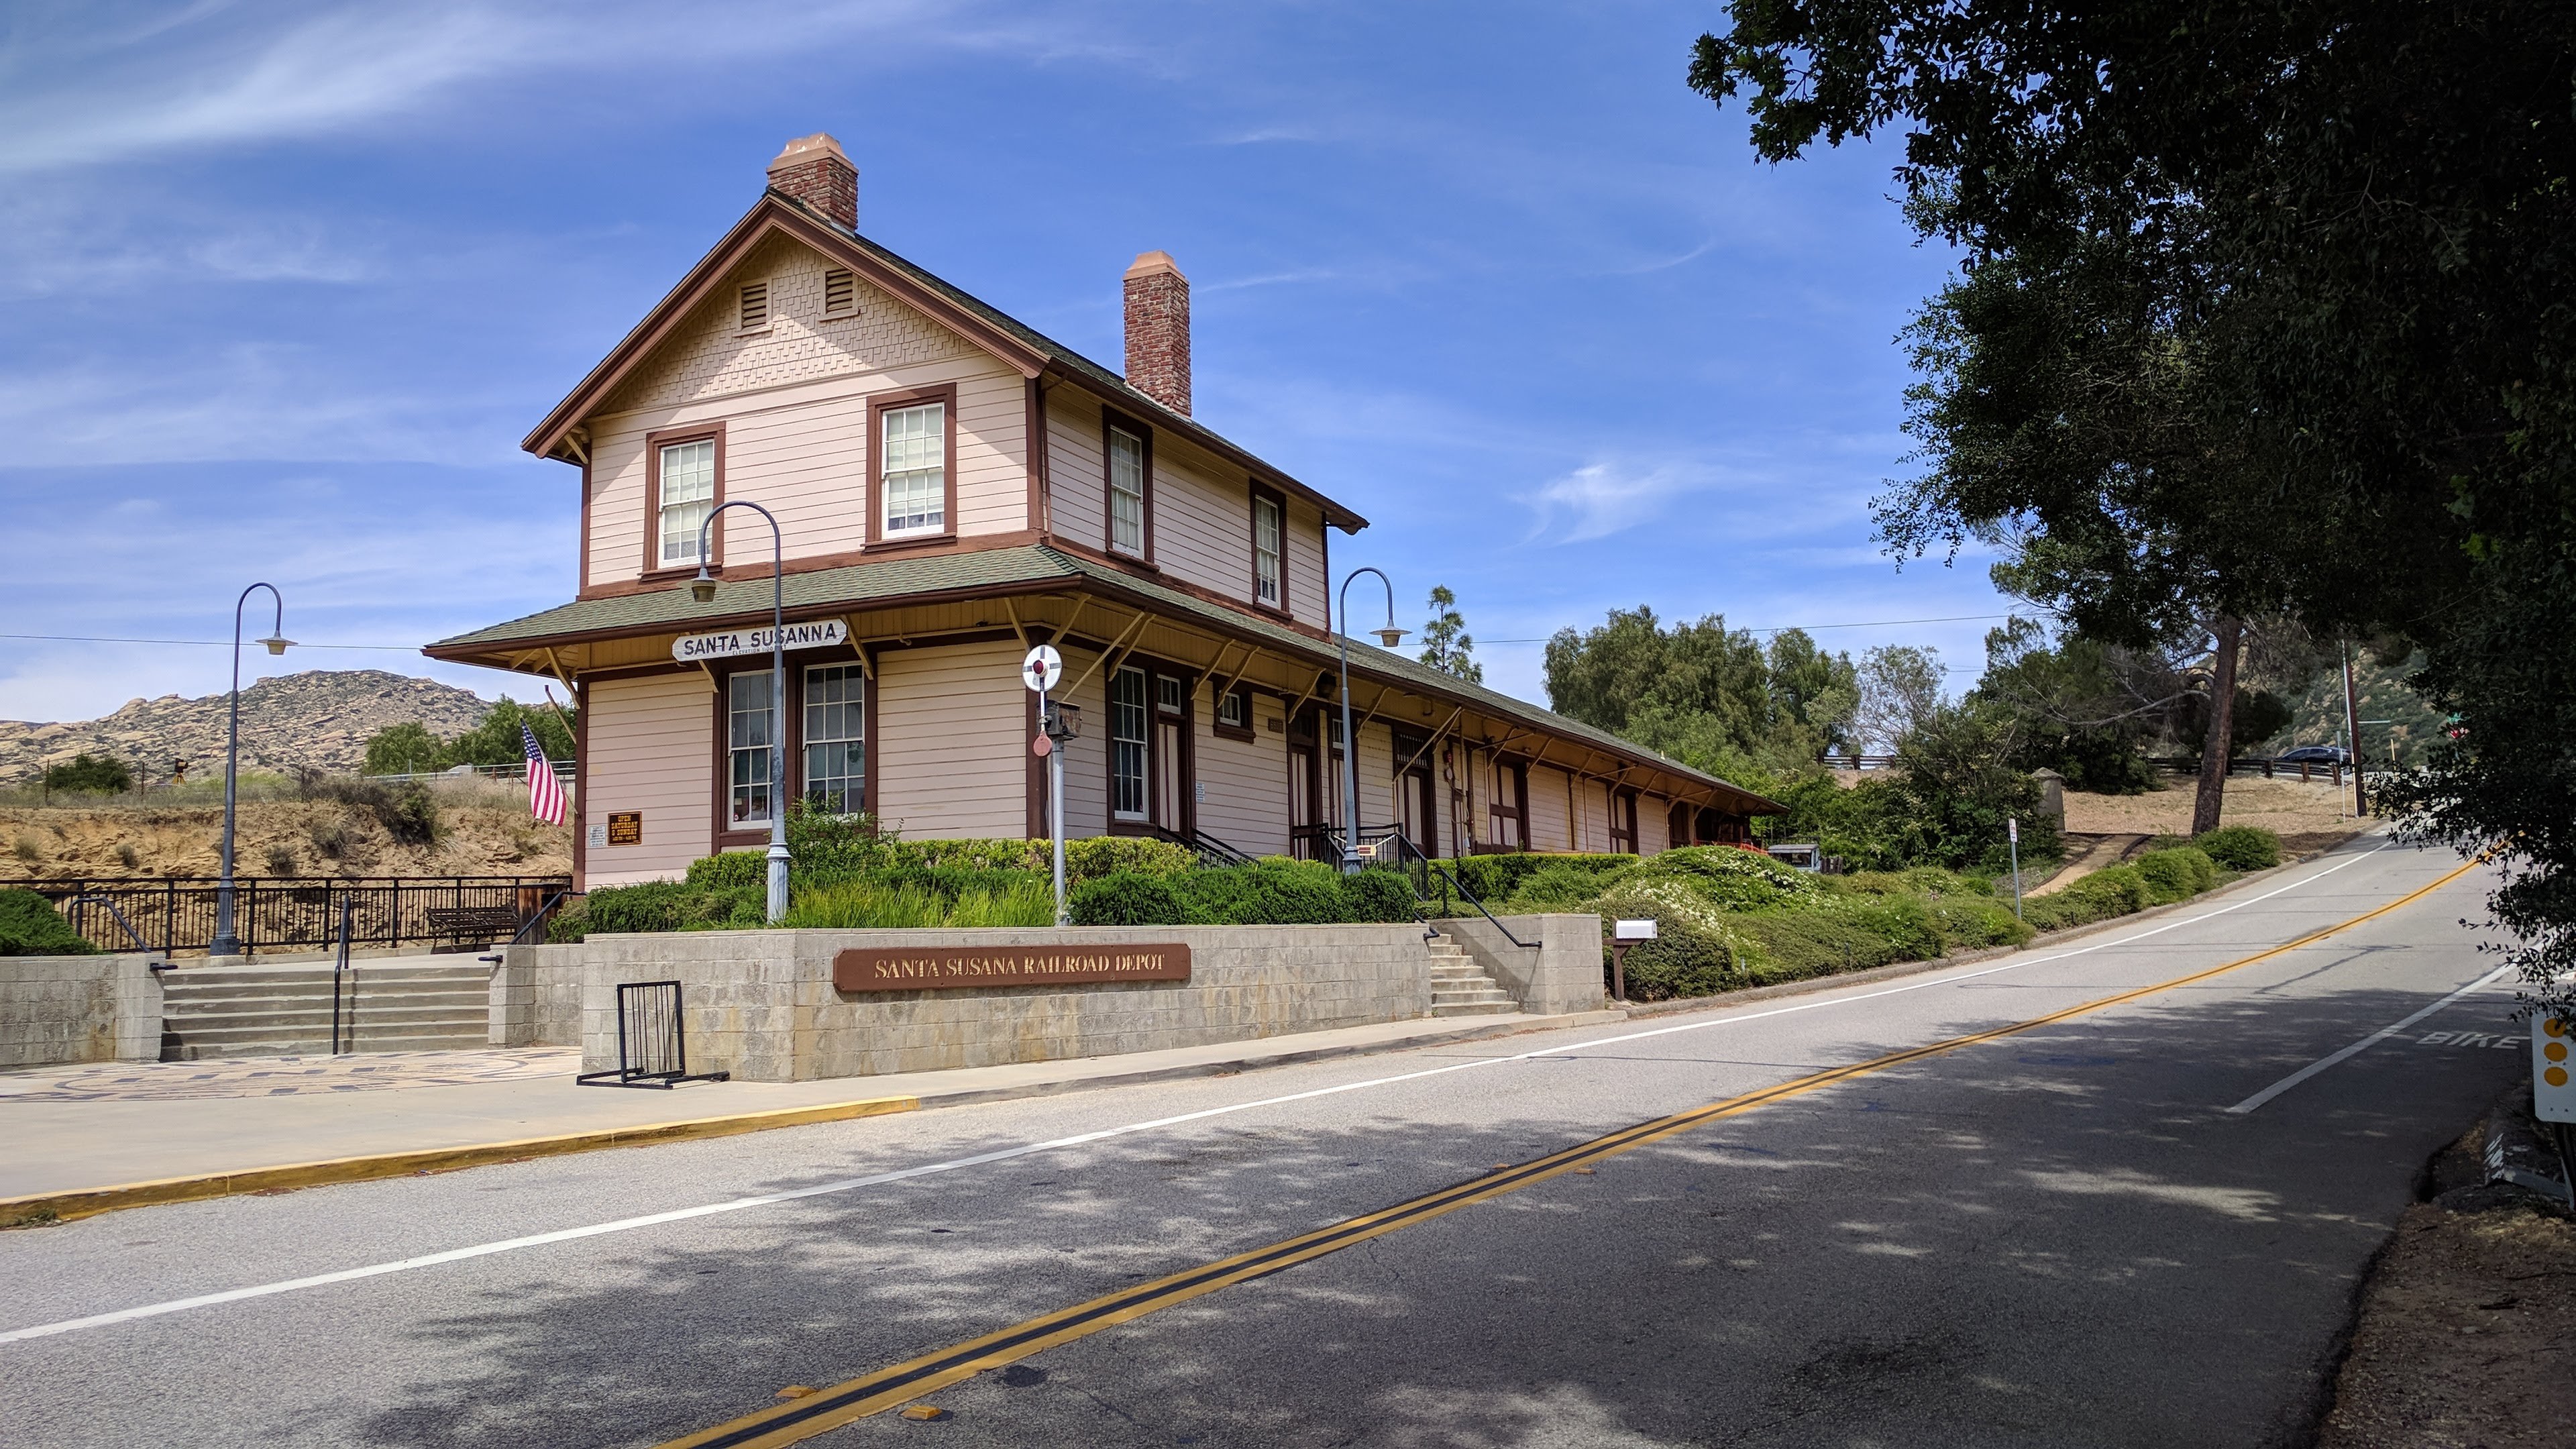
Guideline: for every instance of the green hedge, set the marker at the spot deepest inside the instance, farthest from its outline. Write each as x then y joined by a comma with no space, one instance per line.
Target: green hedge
30,926
1274,891
2240,847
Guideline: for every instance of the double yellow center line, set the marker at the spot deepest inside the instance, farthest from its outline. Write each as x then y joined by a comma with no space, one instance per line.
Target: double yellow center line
886,1388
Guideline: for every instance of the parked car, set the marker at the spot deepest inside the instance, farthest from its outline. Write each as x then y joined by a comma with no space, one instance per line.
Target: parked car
2314,755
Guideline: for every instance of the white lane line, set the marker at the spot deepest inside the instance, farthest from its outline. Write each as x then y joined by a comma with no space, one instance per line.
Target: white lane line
2357,1048
852,1184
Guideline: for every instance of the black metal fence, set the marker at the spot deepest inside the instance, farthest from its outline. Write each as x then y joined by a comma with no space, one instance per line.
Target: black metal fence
177,913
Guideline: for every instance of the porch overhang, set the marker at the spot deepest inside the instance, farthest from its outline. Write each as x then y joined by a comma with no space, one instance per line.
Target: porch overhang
1040,594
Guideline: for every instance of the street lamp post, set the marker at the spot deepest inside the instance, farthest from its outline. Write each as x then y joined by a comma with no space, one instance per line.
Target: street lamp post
227,941
703,589
1389,636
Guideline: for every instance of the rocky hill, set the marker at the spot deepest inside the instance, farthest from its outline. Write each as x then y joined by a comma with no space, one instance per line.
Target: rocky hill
320,719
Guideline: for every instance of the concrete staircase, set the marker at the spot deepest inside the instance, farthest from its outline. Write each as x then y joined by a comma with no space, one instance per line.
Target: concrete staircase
1459,987
275,1011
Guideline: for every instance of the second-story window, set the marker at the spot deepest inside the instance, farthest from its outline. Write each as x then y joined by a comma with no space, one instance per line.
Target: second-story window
688,493
1266,534
1126,492
916,469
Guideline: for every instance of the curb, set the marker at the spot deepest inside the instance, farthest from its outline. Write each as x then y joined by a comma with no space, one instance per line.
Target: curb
66,1206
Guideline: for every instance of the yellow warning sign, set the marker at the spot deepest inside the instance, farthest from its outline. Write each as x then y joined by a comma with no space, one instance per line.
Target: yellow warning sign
2553,1075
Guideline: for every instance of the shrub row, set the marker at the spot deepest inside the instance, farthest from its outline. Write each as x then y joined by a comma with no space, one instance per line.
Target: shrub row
1274,891
2159,877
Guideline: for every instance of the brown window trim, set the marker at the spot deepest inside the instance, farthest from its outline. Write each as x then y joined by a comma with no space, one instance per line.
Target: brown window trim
1216,717
1623,823
1112,418
654,443
1189,678
791,733
878,405
1252,522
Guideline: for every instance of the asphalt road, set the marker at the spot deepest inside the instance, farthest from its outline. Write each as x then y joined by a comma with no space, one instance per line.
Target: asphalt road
2054,1237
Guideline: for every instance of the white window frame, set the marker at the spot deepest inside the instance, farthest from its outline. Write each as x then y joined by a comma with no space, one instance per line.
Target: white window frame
1269,548
689,512
903,485
1130,757
1127,495
1234,709
749,762
836,720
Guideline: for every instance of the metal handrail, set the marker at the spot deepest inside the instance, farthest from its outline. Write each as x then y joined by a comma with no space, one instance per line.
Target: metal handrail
544,912
1449,881
127,926
1210,850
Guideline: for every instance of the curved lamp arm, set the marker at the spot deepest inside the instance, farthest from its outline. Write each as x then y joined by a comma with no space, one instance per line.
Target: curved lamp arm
703,590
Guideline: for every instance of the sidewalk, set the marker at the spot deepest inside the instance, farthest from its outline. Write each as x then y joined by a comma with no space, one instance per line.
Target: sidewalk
88,1137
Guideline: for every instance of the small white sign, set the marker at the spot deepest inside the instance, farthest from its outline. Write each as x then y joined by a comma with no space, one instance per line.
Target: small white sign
1041,668
1633,930
2012,830
599,837
821,633
2553,1068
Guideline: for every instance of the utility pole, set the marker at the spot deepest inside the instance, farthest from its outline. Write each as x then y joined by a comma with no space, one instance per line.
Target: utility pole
2352,730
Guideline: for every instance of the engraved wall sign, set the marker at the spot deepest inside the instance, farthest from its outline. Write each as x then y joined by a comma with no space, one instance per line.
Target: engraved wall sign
932,968
626,827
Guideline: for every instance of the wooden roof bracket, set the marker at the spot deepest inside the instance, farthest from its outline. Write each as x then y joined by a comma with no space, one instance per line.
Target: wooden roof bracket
1117,650
1435,739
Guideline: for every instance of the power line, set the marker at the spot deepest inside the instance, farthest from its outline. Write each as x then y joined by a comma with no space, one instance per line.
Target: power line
217,643
1785,628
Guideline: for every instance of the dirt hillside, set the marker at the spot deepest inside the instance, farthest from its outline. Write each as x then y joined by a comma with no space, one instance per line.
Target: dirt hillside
320,719
484,830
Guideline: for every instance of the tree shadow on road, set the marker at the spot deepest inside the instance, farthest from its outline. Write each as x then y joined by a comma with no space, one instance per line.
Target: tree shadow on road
2057,1237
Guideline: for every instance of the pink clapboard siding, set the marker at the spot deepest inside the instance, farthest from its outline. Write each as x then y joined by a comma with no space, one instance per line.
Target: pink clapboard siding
1244,782
793,400
651,750
951,746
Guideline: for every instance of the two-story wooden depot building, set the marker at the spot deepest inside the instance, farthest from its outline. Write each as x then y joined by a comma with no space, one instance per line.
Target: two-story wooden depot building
954,487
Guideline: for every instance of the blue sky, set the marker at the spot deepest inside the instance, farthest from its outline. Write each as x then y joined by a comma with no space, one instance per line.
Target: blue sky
283,285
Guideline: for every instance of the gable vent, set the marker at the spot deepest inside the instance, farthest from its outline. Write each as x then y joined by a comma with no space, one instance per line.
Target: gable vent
840,292
755,306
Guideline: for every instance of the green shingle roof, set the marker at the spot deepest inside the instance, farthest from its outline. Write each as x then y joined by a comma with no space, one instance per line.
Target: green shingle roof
897,579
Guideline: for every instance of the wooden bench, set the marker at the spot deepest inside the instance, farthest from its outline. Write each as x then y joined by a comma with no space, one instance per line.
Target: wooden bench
477,923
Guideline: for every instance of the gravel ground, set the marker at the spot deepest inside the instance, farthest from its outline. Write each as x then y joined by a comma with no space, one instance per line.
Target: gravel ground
2467,1329
2306,817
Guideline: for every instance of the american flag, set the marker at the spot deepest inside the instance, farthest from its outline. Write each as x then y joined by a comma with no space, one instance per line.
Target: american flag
545,792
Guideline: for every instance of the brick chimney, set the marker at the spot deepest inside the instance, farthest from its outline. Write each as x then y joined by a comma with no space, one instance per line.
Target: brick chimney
813,170
1158,331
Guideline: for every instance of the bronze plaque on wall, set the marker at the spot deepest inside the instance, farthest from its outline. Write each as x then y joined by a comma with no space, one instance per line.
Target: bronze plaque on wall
626,827
929,968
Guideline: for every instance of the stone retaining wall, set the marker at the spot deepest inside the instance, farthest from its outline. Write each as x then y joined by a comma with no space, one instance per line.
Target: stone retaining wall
1559,970
761,1005
78,1009
536,996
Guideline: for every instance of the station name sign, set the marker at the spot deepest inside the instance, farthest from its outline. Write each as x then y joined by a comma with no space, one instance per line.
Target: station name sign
690,648
930,968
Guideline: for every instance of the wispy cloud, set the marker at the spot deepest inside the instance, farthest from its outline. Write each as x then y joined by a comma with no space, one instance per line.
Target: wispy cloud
213,76
1600,499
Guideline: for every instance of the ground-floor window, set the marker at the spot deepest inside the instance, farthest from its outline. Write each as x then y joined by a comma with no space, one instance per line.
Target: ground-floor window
1127,749
836,749
750,726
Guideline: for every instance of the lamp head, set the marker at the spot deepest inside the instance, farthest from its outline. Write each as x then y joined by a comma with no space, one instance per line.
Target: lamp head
703,587
1389,636
277,643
